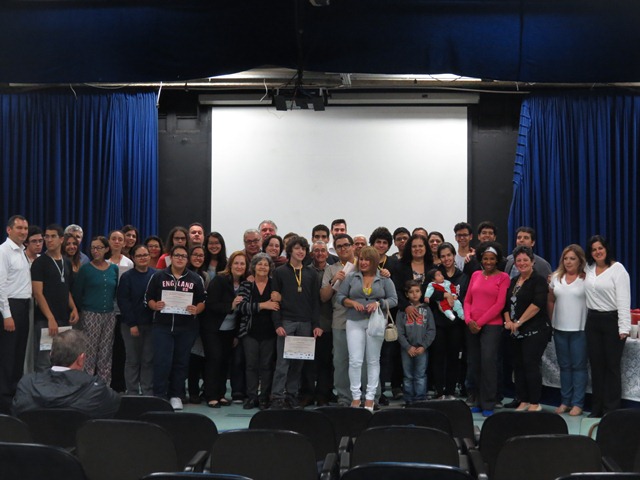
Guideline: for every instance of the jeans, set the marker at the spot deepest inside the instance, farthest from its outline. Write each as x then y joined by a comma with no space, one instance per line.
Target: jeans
571,349
171,349
415,376
482,363
360,345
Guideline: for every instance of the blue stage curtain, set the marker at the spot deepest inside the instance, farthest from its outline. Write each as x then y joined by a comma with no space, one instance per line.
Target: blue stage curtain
577,174
85,158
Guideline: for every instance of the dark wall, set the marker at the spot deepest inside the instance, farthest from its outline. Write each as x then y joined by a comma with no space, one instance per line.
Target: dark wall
493,139
184,149
185,160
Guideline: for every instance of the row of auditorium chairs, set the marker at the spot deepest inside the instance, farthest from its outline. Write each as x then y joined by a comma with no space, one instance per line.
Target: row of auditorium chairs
449,430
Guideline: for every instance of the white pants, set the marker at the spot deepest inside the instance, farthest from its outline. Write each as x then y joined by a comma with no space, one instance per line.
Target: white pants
361,344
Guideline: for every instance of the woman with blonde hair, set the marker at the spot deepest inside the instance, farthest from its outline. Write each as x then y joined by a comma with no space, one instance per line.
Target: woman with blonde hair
568,312
362,292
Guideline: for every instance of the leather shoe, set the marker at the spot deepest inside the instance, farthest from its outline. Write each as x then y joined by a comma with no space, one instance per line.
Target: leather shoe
384,401
513,403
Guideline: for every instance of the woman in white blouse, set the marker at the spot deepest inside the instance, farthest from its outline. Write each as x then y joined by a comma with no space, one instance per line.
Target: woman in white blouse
608,292
568,311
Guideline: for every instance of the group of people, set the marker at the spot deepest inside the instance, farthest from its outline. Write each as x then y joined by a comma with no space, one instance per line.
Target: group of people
189,313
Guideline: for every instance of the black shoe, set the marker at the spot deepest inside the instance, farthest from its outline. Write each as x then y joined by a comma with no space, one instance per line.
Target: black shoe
195,399
594,415
384,401
250,403
513,403
306,401
277,404
291,403
263,404
397,393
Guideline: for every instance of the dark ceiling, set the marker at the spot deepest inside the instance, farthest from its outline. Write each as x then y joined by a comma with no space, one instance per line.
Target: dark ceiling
554,41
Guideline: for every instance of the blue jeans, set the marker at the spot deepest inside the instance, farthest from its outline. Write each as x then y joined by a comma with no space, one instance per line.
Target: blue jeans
171,349
571,350
415,377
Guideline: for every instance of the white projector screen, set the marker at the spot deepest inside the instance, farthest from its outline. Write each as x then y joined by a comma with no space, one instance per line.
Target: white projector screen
373,166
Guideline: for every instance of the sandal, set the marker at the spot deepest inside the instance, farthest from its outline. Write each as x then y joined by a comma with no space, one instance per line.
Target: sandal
224,402
213,404
562,409
575,412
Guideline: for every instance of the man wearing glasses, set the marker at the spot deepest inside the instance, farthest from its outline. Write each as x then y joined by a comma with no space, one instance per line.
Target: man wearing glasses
333,275
465,257
252,243
50,281
33,244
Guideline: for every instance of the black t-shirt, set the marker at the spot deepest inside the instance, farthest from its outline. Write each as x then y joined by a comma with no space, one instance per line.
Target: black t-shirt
51,272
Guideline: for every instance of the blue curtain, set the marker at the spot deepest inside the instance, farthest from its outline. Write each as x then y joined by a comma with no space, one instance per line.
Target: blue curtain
86,158
576,174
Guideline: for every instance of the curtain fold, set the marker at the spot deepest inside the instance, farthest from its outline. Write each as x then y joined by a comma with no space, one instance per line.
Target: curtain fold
89,159
576,174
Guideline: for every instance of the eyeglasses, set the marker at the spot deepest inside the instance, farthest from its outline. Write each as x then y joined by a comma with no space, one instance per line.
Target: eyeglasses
343,245
197,255
462,235
141,255
256,240
180,256
36,240
97,248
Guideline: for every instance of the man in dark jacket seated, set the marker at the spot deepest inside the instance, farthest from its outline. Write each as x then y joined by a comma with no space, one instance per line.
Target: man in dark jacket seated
66,385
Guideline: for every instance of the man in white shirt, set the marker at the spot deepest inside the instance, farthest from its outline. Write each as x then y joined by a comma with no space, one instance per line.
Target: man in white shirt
15,294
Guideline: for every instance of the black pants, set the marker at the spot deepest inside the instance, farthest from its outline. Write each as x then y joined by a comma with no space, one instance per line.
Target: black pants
218,347
605,355
317,376
527,355
13,347
445,352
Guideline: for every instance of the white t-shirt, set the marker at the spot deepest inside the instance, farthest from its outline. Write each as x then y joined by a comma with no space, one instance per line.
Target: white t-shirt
570,310
610,291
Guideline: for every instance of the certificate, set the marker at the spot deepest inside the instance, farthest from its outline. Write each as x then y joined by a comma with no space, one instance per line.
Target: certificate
46,340
348,268
299,348
176,302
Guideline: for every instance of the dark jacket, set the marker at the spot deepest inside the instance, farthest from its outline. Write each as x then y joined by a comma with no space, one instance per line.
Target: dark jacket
68,389
220,295
189,282
131,290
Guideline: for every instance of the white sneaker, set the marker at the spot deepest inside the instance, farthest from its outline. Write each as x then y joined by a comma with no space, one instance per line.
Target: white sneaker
176,403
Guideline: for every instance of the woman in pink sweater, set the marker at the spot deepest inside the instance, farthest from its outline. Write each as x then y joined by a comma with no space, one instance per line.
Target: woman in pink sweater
483,306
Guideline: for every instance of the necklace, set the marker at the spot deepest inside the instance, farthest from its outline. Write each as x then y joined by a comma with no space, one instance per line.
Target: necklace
59,268
297,272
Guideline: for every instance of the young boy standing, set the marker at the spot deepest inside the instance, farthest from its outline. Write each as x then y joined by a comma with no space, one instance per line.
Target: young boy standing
414,338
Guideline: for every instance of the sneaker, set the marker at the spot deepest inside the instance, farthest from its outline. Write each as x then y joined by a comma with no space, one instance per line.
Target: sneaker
176,403
487,413
476,410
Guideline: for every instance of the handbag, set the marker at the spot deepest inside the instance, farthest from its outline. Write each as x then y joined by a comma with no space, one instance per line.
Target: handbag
391,330
377,324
